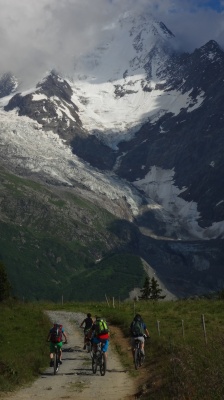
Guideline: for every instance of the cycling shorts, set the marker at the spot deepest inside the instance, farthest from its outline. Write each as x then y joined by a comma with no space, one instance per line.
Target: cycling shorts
140,338
52,346
87,332
105,342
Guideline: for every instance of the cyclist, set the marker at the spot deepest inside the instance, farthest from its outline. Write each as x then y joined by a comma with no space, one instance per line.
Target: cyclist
55,336
138,329
88,321
100,333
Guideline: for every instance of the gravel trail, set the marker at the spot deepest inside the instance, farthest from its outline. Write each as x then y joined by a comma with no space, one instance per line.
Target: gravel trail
75,380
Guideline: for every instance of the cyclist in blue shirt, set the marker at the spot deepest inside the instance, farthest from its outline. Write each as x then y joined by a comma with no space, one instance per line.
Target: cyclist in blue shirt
138,329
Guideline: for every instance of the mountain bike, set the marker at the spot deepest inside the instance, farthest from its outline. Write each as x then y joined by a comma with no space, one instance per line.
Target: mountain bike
99,359
139,357
56,357
88,343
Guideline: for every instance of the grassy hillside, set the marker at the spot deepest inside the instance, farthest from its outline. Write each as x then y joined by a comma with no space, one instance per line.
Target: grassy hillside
114,276
24,353
50,239
180,364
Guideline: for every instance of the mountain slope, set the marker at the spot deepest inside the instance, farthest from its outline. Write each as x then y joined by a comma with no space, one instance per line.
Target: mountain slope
50,236
183,152
136,130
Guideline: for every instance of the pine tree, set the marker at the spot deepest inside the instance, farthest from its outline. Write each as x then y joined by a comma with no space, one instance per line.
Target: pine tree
146,290
155,290
4,283
151,290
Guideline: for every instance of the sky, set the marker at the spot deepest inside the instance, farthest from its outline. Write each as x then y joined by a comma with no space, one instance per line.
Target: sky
36,36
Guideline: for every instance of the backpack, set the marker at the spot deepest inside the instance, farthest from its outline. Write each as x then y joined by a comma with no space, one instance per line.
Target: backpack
137,328
56,334
101,327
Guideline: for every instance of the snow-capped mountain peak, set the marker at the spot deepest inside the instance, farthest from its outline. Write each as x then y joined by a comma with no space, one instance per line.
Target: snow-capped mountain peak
129,92
117,86
138,128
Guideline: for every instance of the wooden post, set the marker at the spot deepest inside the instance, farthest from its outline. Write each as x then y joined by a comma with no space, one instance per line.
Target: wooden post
107,300
134,308
183,333
158,327
204,328
62,300
113,303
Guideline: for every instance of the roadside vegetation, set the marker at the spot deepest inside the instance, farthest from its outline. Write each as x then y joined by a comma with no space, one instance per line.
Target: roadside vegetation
24,351
184,356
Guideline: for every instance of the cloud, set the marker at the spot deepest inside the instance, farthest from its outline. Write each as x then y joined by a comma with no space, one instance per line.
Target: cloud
38,36
193,22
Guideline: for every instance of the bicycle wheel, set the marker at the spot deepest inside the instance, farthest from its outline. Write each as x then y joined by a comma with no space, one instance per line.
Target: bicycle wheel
137,358
94,363
103,364
141,360
88,347
55,363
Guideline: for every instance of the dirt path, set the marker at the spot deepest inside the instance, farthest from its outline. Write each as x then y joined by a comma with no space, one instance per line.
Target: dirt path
75,379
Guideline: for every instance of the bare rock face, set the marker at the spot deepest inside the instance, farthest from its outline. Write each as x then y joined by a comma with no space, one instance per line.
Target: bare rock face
50,105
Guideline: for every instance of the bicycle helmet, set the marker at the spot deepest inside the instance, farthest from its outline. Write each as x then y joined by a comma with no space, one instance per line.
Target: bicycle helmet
137,317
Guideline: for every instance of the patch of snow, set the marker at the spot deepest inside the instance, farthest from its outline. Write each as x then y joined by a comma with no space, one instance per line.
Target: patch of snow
159,185
39,97
47,155
107,83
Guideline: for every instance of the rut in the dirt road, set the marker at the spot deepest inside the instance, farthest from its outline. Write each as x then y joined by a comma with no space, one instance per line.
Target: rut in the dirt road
75,380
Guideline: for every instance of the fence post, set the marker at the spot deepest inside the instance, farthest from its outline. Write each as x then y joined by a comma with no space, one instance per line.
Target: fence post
158,327
62,300
134,308
113,303
107,300
204,328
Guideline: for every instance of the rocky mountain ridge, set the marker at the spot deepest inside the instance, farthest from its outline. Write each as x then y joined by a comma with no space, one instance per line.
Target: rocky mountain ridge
162,167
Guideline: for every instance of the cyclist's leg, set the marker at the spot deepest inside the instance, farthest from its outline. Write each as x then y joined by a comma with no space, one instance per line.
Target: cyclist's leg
59,345
105,346
142,340
86,333
133,347
51,353
95,342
